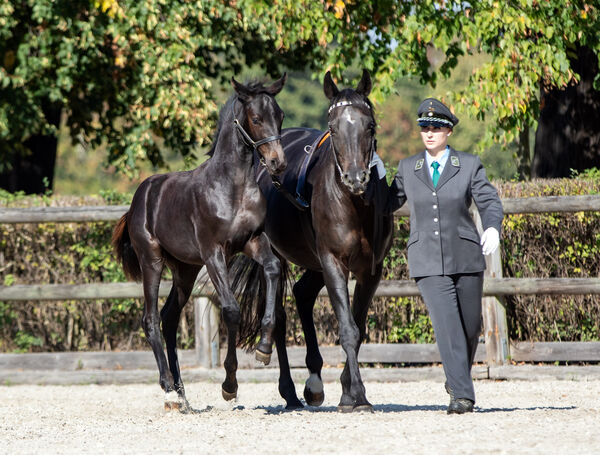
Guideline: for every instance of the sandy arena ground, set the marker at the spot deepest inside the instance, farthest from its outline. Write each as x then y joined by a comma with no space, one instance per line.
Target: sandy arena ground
541,417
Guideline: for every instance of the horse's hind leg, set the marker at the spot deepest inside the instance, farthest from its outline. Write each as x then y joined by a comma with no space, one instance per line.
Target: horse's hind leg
306,291
216,266
287,389
184,277
151,271
259,249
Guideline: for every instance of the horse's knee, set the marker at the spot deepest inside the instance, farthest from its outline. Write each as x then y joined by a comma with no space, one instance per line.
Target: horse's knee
231,314
272,268
147,324
349,337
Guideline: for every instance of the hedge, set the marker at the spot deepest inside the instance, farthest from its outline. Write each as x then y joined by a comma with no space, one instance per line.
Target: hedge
542,245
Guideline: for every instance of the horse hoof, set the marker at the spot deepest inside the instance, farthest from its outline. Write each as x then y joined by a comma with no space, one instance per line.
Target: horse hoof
262,357
363,408
228,396
174,402
171,406
293,405
313,398
171,401
345,408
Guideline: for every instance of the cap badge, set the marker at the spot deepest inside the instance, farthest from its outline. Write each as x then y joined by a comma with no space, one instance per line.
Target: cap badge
419,164
454,161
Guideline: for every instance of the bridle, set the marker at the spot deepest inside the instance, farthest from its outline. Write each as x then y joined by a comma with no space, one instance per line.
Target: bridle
255,144
373,140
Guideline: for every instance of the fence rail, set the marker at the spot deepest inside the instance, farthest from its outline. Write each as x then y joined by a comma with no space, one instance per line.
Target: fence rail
114,212
497,350
387,288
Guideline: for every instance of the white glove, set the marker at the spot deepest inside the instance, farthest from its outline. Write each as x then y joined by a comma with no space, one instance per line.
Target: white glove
490,239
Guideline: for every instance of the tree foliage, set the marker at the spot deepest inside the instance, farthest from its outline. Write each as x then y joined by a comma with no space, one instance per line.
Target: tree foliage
528,43
140,77
137,76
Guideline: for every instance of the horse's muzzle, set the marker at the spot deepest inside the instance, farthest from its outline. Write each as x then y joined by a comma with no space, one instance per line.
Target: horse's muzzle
274,160
356,181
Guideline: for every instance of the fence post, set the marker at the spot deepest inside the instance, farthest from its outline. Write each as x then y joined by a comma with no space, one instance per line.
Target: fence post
206,322
495,327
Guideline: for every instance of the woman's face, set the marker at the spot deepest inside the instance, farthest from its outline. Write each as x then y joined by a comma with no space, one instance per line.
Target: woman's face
435,138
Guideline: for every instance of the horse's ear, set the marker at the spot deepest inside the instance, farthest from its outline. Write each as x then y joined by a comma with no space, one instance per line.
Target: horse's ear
329,86
242,91
276,86
364,86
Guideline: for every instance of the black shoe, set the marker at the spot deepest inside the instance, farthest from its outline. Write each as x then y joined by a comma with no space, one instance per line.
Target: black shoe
460,406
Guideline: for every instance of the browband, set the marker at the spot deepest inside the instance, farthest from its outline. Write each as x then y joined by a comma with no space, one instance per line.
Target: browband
345,103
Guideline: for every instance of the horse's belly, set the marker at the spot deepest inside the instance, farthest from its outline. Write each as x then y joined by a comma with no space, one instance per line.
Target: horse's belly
288,238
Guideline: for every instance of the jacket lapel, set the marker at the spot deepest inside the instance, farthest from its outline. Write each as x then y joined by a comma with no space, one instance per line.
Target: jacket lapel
450,169
421,171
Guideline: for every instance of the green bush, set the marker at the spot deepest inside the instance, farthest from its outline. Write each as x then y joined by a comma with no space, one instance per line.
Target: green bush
540,245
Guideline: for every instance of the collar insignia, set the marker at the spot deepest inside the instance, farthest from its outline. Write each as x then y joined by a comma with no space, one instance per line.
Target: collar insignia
419,164
454,161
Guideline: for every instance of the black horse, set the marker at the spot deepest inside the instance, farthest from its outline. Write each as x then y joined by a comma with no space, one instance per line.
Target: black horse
343,232
186,220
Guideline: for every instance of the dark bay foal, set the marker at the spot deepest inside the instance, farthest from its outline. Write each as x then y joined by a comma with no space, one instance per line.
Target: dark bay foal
187,220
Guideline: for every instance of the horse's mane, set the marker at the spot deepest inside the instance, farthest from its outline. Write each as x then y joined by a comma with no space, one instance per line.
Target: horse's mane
351,95
227,111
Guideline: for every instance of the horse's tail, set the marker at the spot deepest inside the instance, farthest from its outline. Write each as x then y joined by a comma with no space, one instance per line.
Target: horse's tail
249,287
124,250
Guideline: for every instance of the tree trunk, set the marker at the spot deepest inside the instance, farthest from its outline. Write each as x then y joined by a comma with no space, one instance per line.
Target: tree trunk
32,171
568,133
524,154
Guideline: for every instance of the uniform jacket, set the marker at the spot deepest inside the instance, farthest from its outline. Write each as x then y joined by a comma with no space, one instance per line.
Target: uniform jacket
443,238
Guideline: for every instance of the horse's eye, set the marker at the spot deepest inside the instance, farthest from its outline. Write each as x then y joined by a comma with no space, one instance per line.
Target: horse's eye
255,120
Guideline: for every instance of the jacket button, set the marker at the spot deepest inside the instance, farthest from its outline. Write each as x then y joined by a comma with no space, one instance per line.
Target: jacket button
433,194
434,206
435,220
436,233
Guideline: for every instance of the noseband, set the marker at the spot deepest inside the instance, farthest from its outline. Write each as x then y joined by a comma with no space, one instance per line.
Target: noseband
373,141
254,144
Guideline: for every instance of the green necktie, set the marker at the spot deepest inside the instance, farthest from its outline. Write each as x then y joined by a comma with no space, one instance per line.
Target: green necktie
436,174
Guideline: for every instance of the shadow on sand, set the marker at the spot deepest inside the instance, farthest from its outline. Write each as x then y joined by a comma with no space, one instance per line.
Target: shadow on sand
389,408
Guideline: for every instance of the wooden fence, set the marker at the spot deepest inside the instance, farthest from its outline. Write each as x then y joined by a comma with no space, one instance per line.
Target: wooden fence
497,349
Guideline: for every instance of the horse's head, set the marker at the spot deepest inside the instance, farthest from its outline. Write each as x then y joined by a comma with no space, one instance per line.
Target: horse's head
352,128
260,123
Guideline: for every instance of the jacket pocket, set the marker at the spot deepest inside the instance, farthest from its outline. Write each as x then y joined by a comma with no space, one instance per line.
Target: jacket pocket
414,237
468,234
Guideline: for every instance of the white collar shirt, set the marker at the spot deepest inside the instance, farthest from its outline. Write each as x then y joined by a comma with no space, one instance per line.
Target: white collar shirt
442,161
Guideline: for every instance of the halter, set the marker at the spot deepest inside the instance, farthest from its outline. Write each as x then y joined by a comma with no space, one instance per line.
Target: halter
373,141
254,144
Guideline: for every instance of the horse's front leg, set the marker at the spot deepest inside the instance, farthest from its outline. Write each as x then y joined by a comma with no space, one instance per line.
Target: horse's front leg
363,295
216,266
259,249
336,280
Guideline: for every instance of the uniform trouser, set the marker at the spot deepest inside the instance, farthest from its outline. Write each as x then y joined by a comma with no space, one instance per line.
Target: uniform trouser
454,304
